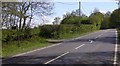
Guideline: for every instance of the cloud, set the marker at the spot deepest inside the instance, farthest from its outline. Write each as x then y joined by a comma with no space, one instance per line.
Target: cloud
102,11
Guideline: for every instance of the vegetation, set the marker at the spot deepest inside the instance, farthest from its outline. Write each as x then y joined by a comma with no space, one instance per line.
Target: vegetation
115,19
118,35
106,21
26,45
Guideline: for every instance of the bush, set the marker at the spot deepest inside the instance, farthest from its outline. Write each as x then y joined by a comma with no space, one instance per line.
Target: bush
12,35
8,35
71,20
58,31
49,31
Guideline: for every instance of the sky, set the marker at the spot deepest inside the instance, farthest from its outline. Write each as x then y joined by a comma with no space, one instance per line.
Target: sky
87,7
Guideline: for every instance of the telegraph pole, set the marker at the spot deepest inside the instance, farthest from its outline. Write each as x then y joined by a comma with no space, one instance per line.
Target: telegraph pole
79,12
79,8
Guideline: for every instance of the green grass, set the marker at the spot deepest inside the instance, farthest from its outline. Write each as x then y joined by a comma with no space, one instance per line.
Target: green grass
72,35
13,49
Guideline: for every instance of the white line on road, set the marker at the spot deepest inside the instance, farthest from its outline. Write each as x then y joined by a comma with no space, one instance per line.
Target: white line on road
101,34
56,58
79,46
91,41
115,56
36,50
98,36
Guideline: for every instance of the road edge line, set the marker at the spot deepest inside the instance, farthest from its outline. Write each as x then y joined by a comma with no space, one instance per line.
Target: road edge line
115,55
36,50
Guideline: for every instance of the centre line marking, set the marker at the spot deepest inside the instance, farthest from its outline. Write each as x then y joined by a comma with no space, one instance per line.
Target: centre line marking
115,56
99,36
56,58
79,46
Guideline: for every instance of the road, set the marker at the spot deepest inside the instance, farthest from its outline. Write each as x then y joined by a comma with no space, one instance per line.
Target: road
95,48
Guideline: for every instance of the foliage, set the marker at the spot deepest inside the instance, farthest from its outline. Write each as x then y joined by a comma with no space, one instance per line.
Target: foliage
118,35
20,15
106,21
49,31
56,21
71,20
60,31
96,19
115,19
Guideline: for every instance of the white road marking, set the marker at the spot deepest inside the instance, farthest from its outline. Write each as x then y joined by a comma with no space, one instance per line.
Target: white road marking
79,46
56,58
91,41
101,34
98,36
115,56
36,50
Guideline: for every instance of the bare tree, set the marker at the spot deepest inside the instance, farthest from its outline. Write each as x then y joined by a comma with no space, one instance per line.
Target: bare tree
20,14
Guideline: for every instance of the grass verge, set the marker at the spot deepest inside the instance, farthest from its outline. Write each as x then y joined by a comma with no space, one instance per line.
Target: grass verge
25,46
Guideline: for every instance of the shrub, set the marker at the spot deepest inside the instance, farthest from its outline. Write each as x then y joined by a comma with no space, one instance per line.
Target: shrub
49,31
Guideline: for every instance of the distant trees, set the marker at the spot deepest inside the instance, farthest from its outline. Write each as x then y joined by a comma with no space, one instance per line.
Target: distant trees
115,19
71,18
56,21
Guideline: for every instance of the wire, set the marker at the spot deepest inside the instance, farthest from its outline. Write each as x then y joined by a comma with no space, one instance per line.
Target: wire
65,3
84,10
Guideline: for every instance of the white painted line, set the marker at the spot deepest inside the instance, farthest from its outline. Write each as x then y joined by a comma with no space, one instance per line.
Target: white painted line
56,58
101,34
79,46
98,36
115,56
91,41
37,50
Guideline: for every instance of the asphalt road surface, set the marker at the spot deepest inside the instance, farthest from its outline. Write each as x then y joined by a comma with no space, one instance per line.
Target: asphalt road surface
95,48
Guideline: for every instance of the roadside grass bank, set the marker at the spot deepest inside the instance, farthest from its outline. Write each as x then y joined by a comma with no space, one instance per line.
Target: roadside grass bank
68,37
25,45
118,54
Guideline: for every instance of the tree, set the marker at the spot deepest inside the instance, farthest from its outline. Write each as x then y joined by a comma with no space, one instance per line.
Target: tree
23,12
115,19
71,18
106,21
56,20
96,19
